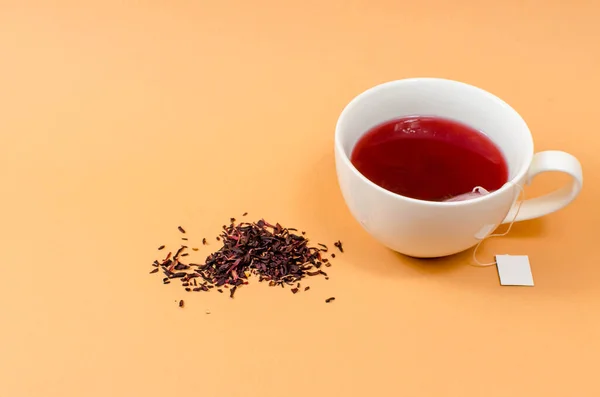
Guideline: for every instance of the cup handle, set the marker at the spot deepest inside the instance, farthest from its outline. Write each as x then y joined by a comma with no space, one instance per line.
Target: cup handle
551,160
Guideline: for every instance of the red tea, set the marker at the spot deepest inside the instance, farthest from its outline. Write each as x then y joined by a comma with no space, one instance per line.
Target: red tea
429,158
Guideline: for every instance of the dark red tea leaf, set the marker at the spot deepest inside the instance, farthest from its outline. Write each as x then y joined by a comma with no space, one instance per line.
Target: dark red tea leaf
271,252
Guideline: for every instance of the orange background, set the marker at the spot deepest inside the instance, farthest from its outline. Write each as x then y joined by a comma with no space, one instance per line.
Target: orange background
121,122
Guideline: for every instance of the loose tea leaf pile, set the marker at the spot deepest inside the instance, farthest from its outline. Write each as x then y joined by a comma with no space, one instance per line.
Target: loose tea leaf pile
272,253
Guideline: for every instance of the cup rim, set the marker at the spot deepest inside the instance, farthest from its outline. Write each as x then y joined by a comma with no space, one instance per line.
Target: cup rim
346,160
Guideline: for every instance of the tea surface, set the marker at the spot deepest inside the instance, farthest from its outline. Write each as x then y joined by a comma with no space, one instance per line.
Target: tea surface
429,158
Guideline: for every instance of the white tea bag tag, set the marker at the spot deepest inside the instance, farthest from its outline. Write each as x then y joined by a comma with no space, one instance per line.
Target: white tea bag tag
514,270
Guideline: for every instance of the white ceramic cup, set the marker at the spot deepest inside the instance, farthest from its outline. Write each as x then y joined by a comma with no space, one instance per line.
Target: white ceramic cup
431,229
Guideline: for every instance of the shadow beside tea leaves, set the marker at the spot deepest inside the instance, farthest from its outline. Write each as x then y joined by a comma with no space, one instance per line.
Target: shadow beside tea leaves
434,266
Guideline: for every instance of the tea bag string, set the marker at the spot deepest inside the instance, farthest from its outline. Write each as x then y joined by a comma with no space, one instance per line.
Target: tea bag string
479,264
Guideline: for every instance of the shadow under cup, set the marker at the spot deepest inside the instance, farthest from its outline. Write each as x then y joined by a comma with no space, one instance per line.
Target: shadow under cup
422,228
